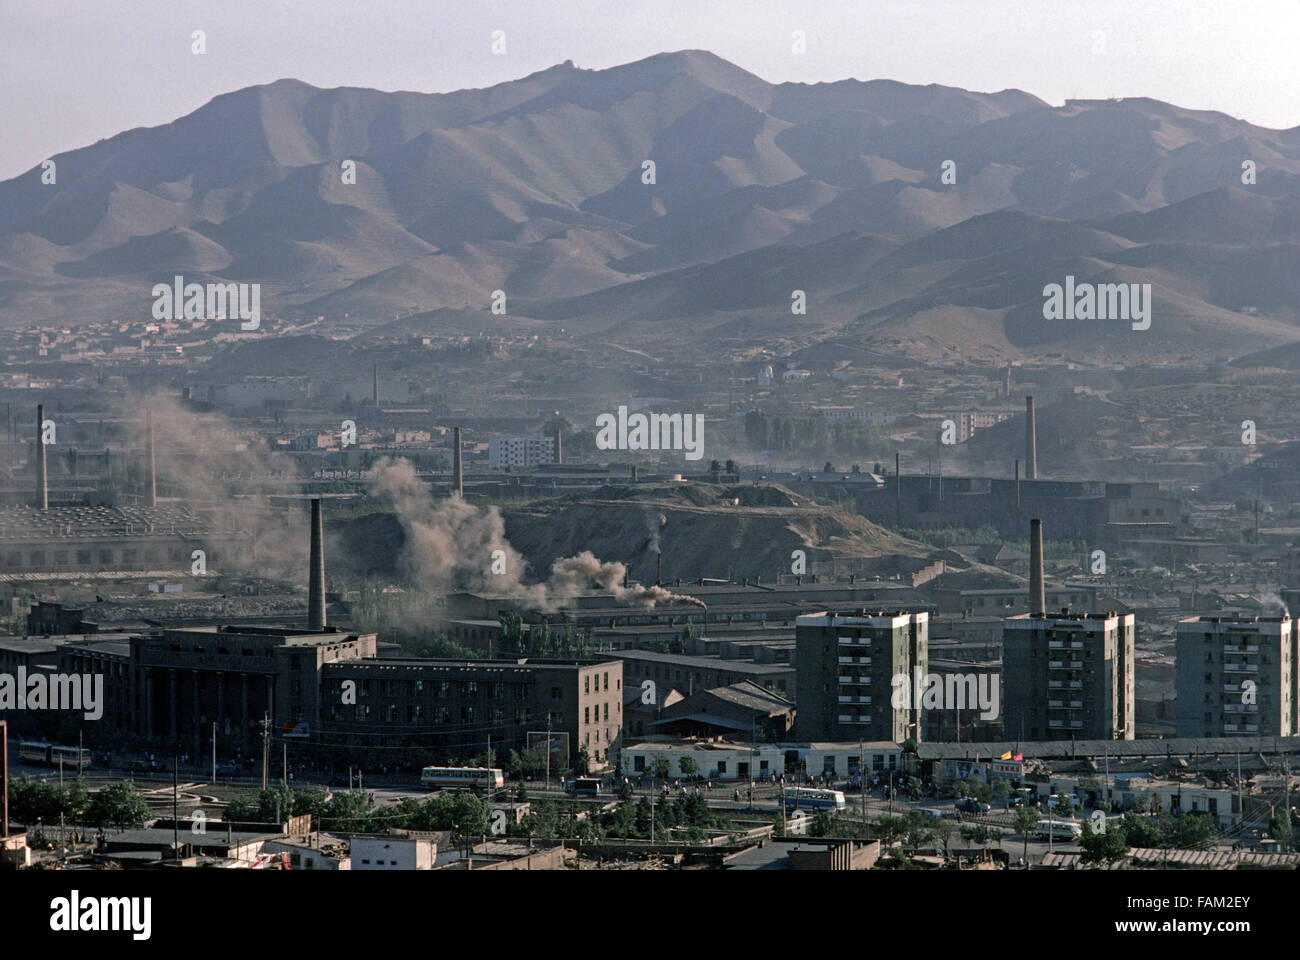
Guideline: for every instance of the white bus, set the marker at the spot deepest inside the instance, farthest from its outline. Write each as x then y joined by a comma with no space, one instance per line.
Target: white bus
50,755
811,798
1057,830
464,778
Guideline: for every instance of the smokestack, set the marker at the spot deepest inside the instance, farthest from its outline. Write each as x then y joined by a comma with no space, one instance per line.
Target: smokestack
374,385
1037,595
316,574
898,493
42,489
559,445
634,473
1006,384
457,470
1031,441
1017,493
659,568
153,478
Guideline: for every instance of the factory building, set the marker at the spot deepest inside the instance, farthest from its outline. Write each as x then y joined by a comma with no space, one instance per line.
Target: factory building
520,453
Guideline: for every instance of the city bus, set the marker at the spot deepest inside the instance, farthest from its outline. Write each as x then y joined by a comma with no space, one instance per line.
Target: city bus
811,798
1057,830
590,785
464,778
50,755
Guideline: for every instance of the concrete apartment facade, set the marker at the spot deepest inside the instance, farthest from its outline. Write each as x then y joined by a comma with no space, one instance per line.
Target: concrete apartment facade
1236,675
1068,676
846,668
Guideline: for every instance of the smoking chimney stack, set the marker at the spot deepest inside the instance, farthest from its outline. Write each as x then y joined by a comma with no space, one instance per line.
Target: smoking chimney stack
457,471
659,569
1031,441
316,581
1037,595
42,489
559,445
153,478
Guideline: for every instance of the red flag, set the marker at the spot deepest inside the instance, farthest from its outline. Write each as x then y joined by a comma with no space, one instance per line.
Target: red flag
1018,756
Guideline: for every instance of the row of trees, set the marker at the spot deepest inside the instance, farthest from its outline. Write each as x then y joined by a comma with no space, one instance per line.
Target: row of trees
815,437
40,801
542,640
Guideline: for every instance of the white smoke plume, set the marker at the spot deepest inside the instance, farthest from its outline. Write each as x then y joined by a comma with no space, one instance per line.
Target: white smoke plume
452,544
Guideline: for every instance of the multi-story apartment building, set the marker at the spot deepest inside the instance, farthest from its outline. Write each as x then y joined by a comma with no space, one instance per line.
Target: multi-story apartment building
1068,675
845,671
1236,676
520,452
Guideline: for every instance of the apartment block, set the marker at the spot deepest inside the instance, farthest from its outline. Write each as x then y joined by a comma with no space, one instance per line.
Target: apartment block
1236,676
1068,676
845,668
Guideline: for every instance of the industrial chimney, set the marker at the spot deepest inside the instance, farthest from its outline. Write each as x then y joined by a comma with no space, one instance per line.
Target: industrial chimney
374,385
153,478
559,445
1037,595
42,489
659,569
1031,441
457,470
316,575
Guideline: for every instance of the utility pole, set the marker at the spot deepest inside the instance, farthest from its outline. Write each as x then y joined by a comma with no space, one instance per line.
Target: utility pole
548,761
284,763
862,780
214,751
266,744
176,839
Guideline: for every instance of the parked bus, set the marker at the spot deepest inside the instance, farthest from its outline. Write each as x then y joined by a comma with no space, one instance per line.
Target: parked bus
811,798
589,785
464,778
1057,830
50,755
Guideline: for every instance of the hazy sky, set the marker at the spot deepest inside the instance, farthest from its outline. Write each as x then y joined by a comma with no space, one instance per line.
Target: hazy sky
76,71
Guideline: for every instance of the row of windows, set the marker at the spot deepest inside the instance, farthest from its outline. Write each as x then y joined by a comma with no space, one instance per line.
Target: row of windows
586,713
586,683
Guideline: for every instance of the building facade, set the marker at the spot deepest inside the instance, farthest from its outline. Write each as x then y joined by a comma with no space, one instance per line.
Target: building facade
846,669
520,452
1236,675
1068,675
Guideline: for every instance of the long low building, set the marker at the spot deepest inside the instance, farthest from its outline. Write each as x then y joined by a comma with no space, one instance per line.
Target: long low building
722,760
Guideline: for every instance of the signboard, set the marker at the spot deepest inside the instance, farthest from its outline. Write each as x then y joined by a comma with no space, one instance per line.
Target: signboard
295,731
559,746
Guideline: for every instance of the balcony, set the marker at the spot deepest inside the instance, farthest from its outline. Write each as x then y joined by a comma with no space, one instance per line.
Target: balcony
855,641
1065,664
1240,708
845,718
1240,668
858,681
850,698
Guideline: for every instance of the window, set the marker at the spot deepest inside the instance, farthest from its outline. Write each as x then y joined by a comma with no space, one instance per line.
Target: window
556,693
606,679
607,711
586,684
586,715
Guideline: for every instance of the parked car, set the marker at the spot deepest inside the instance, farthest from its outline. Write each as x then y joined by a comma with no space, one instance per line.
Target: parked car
228,771
971,805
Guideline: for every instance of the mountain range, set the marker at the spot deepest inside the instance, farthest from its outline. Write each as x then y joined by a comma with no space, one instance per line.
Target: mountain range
922,220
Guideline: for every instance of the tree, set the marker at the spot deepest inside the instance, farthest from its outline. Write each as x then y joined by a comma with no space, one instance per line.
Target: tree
660,766
688,766
1024,821
1064,807
582,765
943,830
828,468
1110,845
1000,790
918,830
1279,828
117,803
1142,830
